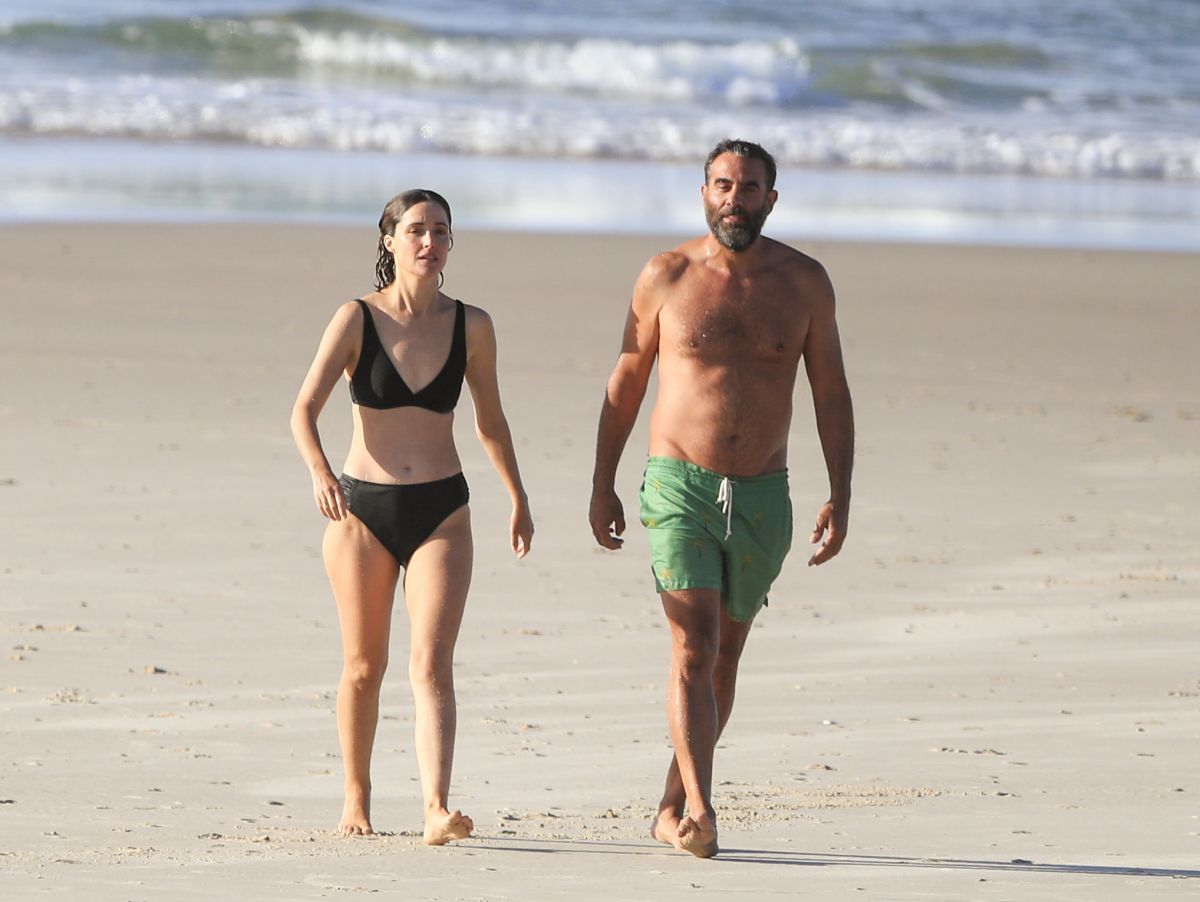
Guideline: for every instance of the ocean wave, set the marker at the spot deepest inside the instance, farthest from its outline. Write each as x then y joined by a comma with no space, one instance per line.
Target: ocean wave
317,45
750,72
745,72
953,98
255,112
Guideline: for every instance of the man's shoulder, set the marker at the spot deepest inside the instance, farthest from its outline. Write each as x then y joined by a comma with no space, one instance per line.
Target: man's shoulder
669,266
785,256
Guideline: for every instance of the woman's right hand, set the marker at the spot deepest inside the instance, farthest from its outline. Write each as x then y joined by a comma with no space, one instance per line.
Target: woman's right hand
331,497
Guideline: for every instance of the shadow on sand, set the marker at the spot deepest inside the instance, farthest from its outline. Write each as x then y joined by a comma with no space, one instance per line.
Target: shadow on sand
826,859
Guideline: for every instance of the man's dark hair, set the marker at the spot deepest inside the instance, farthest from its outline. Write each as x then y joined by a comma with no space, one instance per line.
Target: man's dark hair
747,149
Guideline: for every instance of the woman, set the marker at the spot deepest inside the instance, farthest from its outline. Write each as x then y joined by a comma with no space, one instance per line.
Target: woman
401,502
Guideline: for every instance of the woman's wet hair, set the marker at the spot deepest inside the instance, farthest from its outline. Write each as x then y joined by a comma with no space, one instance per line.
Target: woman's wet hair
385,263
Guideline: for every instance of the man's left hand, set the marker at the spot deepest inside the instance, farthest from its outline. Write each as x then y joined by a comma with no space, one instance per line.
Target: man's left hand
830,531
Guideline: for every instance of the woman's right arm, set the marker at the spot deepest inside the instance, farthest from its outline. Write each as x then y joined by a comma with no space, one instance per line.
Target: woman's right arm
336,354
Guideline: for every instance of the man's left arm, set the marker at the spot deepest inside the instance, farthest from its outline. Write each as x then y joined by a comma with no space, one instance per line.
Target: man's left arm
835,417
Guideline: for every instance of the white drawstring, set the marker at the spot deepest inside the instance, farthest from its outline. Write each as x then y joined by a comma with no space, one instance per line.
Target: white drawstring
725,499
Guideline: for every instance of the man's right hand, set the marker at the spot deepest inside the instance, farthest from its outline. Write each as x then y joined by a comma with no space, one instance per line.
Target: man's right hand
607,517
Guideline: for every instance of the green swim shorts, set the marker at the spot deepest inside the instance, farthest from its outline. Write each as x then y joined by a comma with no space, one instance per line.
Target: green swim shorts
711,532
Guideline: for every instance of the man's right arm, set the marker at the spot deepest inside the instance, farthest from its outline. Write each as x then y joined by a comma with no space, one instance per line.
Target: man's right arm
623,399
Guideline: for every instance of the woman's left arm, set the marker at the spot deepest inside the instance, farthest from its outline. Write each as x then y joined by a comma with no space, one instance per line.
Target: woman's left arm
491,425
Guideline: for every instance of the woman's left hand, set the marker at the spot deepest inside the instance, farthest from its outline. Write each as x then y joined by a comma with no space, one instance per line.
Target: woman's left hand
520,528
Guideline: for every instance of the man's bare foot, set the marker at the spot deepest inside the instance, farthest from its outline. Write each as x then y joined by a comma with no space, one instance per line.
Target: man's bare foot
443,826
356,816
665,828
698,835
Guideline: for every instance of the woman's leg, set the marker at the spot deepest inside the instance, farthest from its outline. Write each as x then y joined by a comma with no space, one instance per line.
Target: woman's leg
435,589
363,574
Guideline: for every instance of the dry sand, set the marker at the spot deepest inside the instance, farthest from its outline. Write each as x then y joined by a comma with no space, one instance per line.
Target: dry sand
992,694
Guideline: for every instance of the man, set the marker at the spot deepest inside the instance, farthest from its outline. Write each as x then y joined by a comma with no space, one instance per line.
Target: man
728,316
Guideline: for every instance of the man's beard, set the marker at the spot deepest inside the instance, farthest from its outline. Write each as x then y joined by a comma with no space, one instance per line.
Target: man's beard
737,236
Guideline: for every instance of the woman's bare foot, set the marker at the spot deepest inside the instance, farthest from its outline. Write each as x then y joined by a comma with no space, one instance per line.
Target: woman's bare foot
698,835
356,814
665,828
443,826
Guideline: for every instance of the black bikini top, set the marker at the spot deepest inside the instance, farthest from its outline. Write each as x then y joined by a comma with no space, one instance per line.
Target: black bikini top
377,384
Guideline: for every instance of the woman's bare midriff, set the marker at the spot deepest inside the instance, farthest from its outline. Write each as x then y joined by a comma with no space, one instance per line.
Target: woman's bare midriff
404,445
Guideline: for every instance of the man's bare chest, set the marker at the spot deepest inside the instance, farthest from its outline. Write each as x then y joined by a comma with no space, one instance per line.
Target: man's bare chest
734,326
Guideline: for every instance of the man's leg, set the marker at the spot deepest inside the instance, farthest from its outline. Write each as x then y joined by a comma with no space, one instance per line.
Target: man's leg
701,636
730,643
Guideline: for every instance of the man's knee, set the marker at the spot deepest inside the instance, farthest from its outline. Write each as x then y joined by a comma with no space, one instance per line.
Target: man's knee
729,654
696,652
696,629
729,651
725,667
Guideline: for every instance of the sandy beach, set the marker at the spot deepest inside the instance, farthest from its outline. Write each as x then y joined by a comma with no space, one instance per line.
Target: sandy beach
993,693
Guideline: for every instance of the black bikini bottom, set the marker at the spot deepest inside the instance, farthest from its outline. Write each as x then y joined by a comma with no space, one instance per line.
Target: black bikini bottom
403,517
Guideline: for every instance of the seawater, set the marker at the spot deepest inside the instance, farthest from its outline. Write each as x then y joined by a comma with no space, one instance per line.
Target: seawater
1072,122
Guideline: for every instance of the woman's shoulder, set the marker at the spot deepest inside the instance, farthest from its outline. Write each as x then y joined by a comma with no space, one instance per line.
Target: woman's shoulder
370,299
353,305
478,329
346,320
475,316
350,311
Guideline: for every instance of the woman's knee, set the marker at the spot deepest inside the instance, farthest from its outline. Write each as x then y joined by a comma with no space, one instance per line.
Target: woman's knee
431,667
363,672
